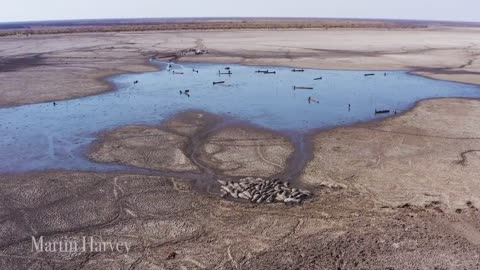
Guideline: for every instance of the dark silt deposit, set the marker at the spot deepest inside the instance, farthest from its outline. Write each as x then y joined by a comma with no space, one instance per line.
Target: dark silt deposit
55,136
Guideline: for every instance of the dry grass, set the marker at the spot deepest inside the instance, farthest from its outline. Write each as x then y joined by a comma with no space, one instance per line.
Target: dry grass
209,25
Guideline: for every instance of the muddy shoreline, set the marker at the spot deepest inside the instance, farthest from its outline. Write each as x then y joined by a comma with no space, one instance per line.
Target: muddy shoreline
296,163
394,193
78,68
206,177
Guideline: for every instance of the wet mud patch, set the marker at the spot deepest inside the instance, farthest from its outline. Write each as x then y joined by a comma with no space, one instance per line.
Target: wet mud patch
207,145
11,64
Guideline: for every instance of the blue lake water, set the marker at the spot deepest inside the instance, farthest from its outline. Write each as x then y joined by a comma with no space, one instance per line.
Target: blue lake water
43,136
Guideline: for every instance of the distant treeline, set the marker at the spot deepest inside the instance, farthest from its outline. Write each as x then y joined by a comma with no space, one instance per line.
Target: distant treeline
79,26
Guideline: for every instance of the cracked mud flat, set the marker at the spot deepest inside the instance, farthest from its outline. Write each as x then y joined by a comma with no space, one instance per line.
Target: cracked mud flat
429,155
197,142
43,68
158,216
396,194
352,222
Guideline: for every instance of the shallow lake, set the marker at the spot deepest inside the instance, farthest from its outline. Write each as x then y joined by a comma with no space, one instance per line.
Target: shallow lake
44,136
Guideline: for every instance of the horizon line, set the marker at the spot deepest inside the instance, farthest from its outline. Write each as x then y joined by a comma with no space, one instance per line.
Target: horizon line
235,18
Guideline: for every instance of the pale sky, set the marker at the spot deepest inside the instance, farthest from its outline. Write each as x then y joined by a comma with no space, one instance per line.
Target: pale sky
34,10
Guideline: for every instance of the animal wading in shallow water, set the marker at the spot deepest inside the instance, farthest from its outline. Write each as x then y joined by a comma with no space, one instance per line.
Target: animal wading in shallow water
186,92
381,111
310,100
224,73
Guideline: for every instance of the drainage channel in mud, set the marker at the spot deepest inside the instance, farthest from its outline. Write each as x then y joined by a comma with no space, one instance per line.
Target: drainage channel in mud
290,172
210,126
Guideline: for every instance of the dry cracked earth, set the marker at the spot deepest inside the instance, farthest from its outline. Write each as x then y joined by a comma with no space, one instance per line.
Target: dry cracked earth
401,193
42,68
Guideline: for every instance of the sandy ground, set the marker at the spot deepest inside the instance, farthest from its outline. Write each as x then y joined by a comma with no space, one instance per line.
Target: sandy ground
369,210
55,67
196,142
430,155
244,152
395,194
123,146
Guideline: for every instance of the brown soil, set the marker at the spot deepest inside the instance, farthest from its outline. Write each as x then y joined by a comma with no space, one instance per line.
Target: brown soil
58,67
339,229
197,142
429,155
397,194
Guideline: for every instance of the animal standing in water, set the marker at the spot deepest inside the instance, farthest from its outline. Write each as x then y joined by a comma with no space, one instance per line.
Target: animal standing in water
310,100
186,92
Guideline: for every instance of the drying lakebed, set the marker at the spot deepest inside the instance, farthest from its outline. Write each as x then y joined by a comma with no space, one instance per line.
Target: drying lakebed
47,136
